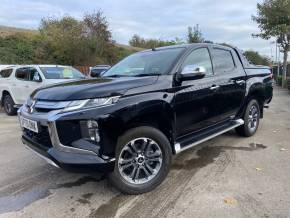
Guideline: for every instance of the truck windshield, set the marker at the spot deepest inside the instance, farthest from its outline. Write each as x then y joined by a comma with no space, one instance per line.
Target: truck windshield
61,73
155,62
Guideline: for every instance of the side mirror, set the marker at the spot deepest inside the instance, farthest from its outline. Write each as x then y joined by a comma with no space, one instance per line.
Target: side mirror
192,72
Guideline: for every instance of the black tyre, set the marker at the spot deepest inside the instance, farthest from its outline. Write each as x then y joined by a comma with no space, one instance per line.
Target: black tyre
251,118
143,159
8,104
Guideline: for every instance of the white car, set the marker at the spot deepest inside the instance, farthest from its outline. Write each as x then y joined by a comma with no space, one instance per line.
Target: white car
18,82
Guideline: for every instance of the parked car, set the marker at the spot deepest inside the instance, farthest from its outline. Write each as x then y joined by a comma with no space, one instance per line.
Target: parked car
97,70
18,82
145,109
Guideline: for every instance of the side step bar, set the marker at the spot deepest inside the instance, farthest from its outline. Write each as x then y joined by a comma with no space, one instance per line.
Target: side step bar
199,138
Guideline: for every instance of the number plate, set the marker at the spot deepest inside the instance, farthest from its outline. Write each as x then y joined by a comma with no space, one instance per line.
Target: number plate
29,124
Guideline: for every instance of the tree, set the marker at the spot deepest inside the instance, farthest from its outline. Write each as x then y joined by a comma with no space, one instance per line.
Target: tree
273,18
194,35
140,42
18,48
76,42
255,58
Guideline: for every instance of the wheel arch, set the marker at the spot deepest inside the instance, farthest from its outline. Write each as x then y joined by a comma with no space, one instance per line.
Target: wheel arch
160,117
255,90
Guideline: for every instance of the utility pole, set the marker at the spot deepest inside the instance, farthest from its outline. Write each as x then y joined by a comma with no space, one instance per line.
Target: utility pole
272,58
276,51
278,71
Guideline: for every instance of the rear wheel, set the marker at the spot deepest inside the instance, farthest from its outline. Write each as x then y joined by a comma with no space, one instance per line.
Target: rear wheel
143,158
251,118
9,104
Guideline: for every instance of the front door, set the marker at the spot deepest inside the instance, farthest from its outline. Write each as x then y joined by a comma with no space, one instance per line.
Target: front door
195,100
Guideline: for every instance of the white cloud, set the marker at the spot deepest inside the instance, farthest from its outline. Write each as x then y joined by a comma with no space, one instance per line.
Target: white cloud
220,21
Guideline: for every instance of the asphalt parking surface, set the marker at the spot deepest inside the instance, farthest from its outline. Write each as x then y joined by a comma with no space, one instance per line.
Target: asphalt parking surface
229,176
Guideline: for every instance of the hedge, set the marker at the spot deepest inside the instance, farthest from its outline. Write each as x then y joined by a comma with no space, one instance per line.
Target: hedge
279,81
288,83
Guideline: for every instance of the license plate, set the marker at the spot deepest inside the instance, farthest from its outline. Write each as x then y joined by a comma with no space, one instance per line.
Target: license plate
29,124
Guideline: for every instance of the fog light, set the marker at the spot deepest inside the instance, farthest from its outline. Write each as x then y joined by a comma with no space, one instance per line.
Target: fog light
93,130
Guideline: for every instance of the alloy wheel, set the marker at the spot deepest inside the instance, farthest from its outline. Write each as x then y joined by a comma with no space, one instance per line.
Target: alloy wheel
253,118
140,160
7,106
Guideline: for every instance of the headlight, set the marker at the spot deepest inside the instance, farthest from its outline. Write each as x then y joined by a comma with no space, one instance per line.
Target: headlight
89,103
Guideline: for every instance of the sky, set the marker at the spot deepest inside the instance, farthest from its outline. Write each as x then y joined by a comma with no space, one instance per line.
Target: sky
219,20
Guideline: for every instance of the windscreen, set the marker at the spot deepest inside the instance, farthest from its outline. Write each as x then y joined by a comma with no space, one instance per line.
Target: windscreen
156,62
61,73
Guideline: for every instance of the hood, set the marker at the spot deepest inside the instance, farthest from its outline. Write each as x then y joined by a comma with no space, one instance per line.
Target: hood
90,88
55,81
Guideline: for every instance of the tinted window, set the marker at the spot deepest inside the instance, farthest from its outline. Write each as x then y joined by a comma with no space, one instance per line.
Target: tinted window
146,63
22,74
5,73
223,60
28,74
199,58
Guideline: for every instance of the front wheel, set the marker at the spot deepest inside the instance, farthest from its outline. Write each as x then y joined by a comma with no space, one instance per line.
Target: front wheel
143,158
251,118
9,104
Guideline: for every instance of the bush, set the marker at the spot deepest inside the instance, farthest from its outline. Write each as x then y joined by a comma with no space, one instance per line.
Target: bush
279,80
288,83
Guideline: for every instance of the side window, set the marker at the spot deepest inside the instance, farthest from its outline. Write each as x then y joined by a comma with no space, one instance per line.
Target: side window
22,73
222,60
33,75
5,73
28,74
199,58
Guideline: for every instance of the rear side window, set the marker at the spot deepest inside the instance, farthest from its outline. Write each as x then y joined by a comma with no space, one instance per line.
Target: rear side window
22,74
5,73
223,60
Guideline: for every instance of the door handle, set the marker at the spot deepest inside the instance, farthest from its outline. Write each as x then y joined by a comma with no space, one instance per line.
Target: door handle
240,82
214,87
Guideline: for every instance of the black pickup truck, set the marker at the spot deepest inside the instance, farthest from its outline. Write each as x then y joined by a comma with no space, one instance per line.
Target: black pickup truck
150,106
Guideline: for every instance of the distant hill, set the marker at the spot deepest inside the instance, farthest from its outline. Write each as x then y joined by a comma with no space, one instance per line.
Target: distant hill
6,31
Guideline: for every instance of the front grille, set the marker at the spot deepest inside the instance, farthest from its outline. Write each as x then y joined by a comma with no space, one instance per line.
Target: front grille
42,137
48,106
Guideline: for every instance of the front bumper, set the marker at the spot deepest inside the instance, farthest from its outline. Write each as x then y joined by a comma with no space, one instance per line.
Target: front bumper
54,152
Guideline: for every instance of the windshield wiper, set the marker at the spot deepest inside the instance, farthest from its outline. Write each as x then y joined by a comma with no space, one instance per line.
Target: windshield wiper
115,75
148,74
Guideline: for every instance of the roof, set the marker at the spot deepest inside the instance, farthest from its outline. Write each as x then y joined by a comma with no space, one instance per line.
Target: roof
32,65
188,46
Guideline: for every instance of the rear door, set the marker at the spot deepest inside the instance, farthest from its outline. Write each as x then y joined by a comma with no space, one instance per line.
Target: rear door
230,80
27,80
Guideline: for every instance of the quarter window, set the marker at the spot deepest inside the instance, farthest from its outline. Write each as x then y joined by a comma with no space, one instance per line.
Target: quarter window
5,73
223,60
199,58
